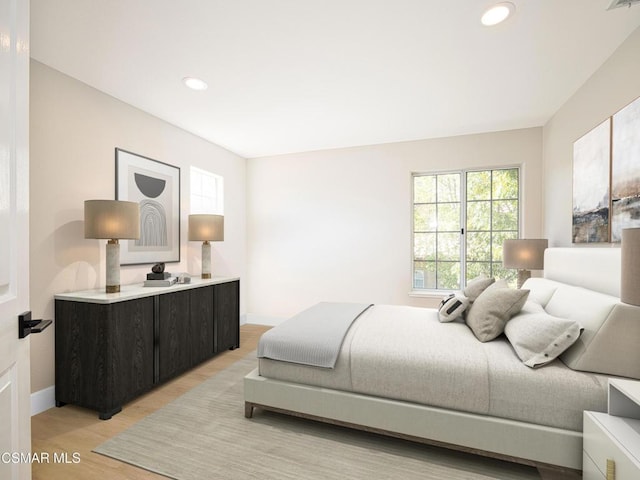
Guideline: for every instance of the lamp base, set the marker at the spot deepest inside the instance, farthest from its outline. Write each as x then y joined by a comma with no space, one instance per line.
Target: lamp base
523,275
206,259
113,266
630,270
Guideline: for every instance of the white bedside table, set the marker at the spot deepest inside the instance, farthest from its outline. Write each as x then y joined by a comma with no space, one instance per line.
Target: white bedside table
611,441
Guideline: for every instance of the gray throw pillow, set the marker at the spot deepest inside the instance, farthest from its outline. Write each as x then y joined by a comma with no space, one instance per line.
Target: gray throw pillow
476,286
493,308
538,338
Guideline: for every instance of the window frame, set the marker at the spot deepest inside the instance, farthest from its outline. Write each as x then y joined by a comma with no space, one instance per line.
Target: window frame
217,207
463,221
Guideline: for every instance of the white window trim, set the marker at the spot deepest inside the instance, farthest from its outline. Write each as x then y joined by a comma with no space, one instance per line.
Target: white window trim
439,293
217,205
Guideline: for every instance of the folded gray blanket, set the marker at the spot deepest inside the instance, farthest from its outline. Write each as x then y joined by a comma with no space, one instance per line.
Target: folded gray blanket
313,337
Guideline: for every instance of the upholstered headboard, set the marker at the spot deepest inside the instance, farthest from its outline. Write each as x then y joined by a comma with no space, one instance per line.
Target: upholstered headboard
583,284
593,268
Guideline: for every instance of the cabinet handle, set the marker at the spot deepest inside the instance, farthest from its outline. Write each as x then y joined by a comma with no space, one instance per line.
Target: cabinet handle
611,469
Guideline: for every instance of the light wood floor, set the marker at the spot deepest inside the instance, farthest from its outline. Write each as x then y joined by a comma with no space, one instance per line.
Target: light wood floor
77,430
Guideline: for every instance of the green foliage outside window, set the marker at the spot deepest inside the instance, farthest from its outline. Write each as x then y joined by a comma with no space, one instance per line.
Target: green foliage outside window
490,215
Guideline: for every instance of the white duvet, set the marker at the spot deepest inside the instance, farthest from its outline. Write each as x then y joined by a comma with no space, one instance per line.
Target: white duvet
405,353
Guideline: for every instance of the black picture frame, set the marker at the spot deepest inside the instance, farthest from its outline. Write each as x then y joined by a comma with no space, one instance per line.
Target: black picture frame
155,186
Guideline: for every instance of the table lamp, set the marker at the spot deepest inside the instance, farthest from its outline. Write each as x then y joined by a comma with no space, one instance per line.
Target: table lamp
206,228
112,220
630,268
524,255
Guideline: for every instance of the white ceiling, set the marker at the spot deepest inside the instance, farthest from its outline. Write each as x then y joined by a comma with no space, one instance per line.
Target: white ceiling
297,75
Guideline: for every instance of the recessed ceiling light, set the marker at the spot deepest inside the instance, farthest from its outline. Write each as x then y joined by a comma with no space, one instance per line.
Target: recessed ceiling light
498,13
195,83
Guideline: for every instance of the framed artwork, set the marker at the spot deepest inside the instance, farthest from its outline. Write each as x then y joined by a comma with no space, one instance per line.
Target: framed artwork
625,170
156,187
591,166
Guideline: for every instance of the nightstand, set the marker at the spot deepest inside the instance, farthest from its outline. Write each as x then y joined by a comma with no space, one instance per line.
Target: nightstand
611,441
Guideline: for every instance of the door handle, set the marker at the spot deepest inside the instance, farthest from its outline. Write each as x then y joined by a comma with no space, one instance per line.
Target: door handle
27,326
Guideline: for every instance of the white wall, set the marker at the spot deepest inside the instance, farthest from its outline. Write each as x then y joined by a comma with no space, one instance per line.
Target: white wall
74,131
615,84
335,225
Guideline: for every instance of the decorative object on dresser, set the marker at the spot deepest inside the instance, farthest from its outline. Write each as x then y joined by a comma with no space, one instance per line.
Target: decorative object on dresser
612,440
112,348
630,273
206,228
525,255
167,282
159,278
112,220
183,278
155,186
158,273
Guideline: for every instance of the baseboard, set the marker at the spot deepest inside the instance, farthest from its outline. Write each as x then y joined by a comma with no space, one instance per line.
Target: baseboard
264,320
243,319
43,400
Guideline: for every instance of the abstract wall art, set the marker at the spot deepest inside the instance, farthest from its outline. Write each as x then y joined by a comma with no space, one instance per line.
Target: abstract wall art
625,170
156,187
591,164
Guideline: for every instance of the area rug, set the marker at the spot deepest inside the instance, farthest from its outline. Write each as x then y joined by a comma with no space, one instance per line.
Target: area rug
203,435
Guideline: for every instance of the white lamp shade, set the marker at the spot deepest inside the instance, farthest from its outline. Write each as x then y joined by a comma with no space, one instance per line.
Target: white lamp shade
111,219
524,254
203,227
630,268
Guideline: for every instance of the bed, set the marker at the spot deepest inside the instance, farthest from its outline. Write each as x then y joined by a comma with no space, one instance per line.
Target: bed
436,383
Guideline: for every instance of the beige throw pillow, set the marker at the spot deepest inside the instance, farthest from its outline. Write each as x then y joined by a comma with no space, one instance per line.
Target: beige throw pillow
476,286
493,308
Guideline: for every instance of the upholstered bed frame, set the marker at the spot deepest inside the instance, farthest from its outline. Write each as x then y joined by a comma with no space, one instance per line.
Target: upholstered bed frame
595,270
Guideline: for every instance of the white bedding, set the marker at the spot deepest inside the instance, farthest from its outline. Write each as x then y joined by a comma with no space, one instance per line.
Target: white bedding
519,403
405,353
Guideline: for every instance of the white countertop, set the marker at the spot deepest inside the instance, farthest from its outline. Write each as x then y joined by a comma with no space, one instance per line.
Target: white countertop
137,290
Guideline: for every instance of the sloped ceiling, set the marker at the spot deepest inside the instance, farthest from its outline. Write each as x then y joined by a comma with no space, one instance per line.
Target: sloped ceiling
297,75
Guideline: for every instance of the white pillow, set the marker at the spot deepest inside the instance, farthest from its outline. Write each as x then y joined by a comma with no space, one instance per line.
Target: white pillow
452,307
538,338
531,306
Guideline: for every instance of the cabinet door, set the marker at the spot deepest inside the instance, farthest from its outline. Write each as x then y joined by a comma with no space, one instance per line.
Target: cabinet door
173,334
130,351
81,363
227,315
104,353
201,324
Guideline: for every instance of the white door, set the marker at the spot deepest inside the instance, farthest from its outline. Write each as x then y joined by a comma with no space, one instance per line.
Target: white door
15,405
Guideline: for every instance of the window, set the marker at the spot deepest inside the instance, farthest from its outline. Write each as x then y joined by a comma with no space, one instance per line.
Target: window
207,192
460,220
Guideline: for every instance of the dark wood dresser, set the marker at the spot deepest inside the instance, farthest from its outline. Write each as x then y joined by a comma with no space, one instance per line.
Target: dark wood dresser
112,347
